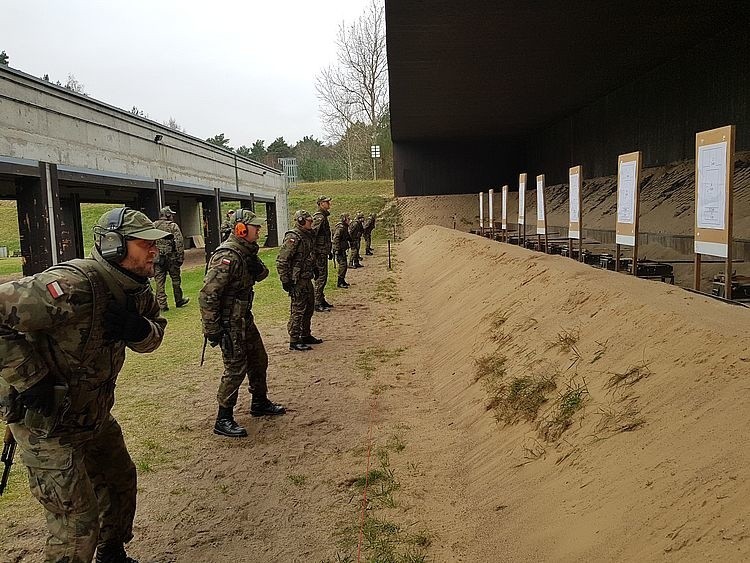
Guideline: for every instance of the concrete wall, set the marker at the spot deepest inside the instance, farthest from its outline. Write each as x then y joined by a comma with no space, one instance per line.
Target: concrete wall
40,121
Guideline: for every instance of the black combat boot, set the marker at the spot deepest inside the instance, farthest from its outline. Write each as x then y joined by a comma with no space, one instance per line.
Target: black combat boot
368,253
226,426
326,304
311,340
262,406
321,309
342,283
112,552
183,302
299,346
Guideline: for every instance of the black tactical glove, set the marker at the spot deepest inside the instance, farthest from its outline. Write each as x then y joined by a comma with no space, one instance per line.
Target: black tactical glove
287,286
257,267
40,397
125,323
214,338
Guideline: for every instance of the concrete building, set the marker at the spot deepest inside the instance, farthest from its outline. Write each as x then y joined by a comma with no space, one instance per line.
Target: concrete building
59,149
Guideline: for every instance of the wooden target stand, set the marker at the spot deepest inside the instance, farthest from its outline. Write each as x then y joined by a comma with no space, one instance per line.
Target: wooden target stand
575,199
541,215
628,206
522,209
504,214
714,173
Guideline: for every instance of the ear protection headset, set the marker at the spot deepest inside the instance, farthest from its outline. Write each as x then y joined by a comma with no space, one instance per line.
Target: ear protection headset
240,227
301,218
111,243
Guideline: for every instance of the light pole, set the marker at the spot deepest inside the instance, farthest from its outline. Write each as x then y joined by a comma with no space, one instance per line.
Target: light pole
375,154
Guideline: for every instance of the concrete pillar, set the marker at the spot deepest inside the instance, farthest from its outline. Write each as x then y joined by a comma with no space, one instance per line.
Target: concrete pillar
212,222
248,203
40,220
72,237
273,233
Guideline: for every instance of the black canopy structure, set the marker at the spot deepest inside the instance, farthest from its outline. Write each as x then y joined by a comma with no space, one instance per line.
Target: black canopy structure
482,90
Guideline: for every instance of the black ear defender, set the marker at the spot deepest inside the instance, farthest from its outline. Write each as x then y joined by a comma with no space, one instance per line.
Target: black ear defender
112,244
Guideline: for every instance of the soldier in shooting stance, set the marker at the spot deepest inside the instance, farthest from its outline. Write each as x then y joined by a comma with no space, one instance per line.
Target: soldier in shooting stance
171,257
322,235
367,230
65,334
296,266
341,242
226,302
356,228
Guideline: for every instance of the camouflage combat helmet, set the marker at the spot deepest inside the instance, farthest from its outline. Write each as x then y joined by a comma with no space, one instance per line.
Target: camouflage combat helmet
344,217
360,215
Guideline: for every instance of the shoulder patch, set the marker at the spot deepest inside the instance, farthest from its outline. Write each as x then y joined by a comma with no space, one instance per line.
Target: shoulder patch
55,290
226,261
291,240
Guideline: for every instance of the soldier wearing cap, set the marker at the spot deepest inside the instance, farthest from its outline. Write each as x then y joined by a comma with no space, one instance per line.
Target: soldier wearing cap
341,243
367,229
295,264
64,335
171,257
226,226
356,228
226,302
322,235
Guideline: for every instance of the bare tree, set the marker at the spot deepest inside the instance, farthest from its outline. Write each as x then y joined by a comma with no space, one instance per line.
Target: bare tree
172,124
74,85
353,93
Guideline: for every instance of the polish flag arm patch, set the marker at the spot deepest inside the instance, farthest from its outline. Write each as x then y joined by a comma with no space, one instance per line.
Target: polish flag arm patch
226,261
55,290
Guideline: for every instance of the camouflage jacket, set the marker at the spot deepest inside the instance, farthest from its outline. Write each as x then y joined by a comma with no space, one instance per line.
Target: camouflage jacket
341,239
173,249
56,319
226,298
322,232
355,230
369,225
296,259
225,230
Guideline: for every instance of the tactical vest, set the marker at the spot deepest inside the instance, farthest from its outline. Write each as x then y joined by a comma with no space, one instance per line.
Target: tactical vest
103,288
237,299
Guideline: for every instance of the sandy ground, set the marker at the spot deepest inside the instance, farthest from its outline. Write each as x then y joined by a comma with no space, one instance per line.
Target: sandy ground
652,468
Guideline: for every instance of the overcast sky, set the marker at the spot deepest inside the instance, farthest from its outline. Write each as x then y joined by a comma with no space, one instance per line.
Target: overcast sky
245,69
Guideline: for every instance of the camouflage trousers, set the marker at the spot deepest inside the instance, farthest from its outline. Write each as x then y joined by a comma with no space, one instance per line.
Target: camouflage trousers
244,356
87,487
160,277
301,310
356,245
321,262
343,265
368,241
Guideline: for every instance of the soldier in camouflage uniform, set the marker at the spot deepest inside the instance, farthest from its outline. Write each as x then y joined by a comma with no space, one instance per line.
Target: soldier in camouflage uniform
322,235
171,257
296,266
356,228
226,226
367,230
226,302
66,331
341,242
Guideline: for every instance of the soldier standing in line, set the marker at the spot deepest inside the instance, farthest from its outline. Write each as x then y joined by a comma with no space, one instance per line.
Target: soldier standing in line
356,229
65,334
226,226
171,257
296,266
367,229
226,302
341,242
322,235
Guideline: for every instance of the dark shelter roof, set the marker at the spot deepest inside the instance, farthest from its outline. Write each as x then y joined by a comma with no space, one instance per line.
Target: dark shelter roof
482,68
